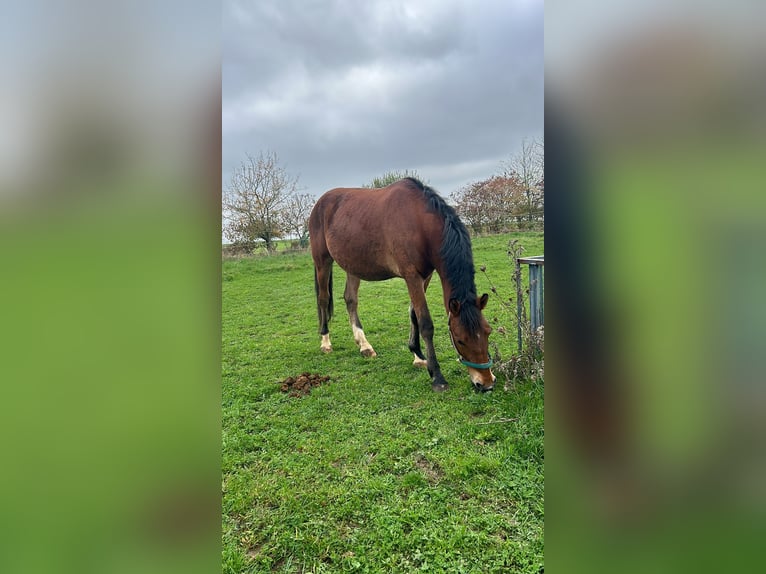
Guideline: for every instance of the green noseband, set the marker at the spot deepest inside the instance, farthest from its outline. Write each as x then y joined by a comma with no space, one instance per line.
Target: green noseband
486,365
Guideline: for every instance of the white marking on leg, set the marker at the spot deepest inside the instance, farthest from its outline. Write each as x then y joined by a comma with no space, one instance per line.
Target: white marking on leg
325,347
418,362
364,346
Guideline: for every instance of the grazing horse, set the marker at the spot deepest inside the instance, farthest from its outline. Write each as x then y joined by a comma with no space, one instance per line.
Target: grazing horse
403,230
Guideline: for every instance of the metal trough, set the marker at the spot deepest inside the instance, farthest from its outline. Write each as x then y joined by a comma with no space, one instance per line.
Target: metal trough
536,290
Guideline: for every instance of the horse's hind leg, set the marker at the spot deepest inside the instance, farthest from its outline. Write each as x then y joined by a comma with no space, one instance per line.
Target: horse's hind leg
323,287
350,295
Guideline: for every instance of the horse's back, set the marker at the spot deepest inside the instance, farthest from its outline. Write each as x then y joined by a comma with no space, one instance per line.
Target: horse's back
375,233
370,208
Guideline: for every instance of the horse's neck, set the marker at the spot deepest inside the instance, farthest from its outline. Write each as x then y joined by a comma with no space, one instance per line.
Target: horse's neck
446,288
448,291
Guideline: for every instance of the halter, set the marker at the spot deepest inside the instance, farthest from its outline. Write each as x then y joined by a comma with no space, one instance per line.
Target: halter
460,359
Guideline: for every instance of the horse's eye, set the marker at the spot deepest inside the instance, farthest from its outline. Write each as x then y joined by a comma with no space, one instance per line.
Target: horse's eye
460,342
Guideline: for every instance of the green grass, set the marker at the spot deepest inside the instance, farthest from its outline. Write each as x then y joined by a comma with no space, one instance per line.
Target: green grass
372,472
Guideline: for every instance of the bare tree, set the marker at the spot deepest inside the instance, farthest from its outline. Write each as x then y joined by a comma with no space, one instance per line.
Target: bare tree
256,199
540,160
527,165
295,216
540,155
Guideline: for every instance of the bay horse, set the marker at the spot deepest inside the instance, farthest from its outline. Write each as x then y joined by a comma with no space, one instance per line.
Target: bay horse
403,230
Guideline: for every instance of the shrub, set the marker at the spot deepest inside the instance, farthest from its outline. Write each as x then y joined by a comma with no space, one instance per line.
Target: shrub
528,363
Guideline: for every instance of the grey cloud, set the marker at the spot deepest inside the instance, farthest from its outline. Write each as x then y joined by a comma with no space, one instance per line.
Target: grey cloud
343,91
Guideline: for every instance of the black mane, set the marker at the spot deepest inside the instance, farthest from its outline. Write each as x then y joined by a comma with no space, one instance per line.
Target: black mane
456,255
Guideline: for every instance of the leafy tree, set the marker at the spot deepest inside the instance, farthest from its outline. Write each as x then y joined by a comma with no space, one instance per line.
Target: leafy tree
390,177
491,205
256,199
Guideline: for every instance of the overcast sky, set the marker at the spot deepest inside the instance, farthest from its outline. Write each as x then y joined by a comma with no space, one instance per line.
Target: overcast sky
344,90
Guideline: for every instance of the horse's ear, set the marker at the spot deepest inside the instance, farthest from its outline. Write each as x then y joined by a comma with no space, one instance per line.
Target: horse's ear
483,301
454,306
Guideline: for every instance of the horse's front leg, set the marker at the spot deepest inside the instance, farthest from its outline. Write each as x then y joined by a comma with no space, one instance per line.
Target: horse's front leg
414,342
426,327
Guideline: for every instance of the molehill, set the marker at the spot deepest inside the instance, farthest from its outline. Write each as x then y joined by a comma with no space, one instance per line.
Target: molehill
301,385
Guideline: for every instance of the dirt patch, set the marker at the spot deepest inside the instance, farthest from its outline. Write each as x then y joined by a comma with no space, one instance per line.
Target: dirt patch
301,385
431,470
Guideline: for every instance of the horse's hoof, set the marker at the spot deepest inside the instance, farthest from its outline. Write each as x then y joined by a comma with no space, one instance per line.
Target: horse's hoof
420,363
369,352
326,349
439,387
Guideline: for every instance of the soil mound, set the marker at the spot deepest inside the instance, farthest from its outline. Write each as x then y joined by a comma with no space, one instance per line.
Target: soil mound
301,385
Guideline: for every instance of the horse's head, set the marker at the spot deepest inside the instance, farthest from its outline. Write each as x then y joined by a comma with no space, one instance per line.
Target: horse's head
469,331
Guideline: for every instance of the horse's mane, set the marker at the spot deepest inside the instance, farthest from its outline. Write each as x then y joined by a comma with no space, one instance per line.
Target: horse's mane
456,255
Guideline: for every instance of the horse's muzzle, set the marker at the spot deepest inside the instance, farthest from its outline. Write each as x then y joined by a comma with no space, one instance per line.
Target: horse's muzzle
481,388
483,380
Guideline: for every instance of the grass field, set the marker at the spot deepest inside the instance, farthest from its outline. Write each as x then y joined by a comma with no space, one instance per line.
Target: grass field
372,472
